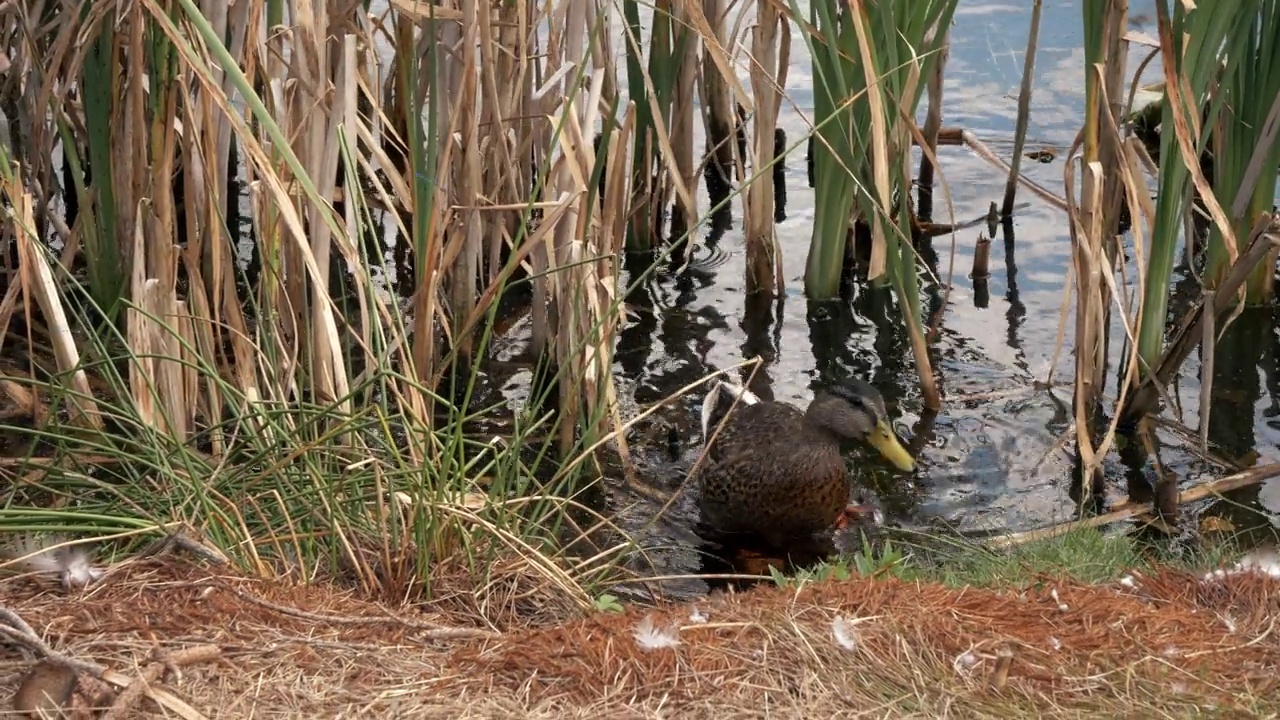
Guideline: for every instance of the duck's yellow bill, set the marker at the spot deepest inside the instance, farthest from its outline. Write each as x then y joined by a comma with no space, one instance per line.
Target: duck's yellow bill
884,440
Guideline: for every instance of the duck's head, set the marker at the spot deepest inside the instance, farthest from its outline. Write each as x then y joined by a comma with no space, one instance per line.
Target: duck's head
855,410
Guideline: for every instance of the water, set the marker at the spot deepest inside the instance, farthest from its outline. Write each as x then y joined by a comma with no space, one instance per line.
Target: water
992,459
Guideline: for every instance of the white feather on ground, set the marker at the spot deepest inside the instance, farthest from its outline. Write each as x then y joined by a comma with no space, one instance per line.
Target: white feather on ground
72,564
844,633
1262,561
650,637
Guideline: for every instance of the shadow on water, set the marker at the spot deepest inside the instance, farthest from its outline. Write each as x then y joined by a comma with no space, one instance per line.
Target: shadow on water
1245,355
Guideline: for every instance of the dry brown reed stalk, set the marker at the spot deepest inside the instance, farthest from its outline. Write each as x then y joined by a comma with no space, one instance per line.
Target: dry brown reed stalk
768,76
971,141
38,285
684,216
714,92
1024,111
1092,225
933,121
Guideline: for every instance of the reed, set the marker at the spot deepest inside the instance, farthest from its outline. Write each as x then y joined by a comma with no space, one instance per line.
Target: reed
1024,112
870,64
714,92
662,89
1192,43
1208,57
1093,242
769,51
1245,151
298,399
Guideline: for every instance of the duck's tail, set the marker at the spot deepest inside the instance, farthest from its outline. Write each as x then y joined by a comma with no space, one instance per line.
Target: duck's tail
719,400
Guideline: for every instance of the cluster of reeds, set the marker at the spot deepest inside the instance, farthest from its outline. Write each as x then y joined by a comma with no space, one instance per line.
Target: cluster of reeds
247,367
1215,162
871,64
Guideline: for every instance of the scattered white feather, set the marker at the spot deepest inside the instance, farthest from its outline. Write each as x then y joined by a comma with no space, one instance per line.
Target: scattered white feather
1214,575
1129,582
78,569
696,616
1171,652
650,637
1262,561
1055,643
1228,622
73,565
1061,605
1265,561
965,662
845,633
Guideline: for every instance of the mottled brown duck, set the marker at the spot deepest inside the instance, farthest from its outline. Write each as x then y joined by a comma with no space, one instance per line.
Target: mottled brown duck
779,473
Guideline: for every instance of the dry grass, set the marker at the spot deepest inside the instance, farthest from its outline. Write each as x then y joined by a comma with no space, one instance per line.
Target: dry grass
1168,646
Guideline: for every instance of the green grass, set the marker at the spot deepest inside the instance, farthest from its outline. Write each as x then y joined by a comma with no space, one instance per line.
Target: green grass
1088,556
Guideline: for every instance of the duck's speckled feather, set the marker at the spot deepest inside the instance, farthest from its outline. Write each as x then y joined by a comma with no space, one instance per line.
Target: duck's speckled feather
771,472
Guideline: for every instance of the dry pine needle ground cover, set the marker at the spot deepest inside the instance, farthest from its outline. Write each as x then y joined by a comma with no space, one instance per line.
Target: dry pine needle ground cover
1170,644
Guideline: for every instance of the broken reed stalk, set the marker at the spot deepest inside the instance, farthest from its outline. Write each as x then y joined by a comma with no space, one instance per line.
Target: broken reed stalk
981,257
1252,476
38,285
1024,111
1087,257
764,263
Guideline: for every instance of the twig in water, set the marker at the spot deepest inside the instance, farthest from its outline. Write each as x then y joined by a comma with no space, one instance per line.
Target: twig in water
976,145
1251,476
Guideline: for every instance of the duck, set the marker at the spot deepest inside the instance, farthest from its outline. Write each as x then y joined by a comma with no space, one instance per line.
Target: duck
775,472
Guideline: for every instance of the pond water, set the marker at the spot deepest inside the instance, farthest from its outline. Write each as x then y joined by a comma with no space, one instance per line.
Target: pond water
992,458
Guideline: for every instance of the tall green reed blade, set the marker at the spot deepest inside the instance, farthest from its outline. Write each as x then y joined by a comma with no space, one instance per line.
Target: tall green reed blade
900,52
1198,37
107,273
1245,158
667,41
832,50
638,227
870,60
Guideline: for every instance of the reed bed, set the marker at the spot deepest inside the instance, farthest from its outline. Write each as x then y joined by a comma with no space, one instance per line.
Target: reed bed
1202,202
261,248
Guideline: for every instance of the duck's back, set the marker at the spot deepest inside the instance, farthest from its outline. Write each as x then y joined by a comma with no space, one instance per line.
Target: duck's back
769,472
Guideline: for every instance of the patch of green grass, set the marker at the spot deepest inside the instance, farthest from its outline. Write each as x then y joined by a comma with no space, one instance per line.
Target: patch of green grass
1088,555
